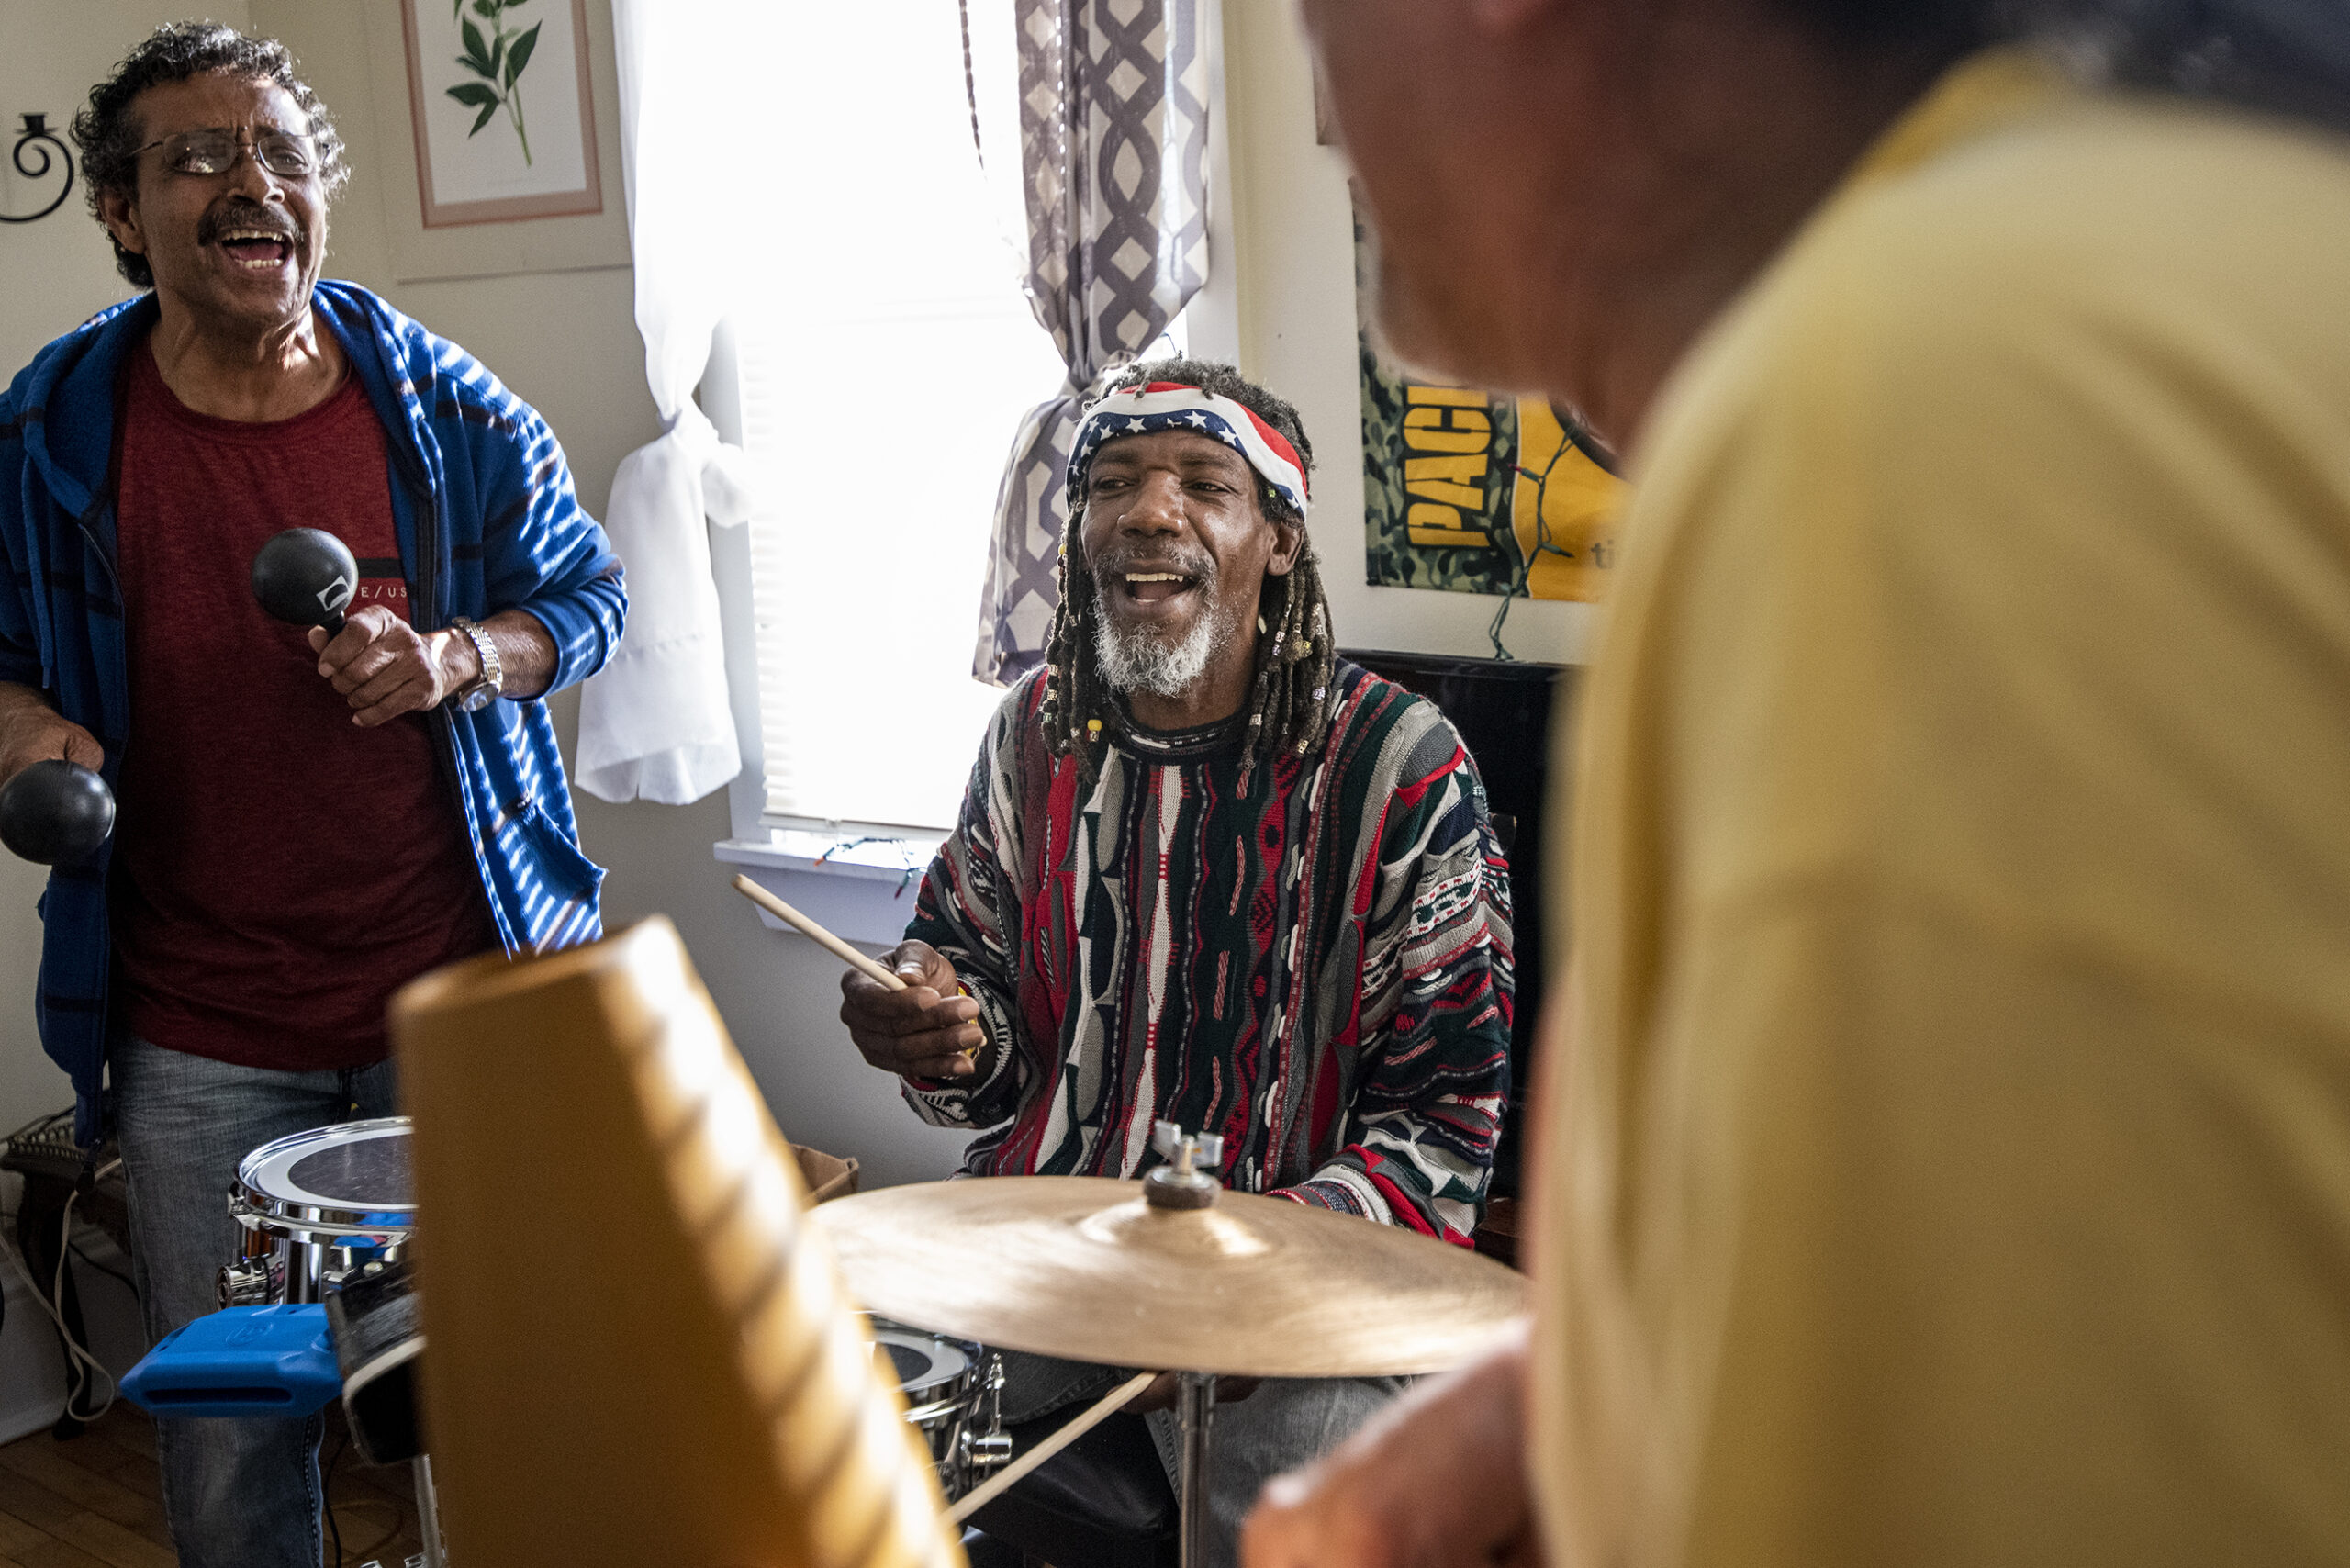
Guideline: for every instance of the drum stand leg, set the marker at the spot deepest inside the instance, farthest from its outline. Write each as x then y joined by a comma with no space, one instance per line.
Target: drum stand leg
1195,1411
428,1512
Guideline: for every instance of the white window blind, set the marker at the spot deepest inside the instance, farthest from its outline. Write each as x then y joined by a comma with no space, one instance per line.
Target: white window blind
882,378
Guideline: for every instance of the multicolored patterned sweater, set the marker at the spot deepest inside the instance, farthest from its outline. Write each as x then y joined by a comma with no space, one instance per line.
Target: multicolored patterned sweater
1319,969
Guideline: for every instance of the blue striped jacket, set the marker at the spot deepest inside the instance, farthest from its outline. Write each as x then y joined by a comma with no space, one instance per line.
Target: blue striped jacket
483,504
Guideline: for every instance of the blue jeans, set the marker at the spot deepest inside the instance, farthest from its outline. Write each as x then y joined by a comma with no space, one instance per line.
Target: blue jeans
239,1493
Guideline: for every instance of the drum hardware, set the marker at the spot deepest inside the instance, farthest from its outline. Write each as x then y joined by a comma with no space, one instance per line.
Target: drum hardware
953,1394
255,1279
984,1451
1242,1286
1067,1433
1195,1417
322,1212
427,1516
1176,1184
318,1205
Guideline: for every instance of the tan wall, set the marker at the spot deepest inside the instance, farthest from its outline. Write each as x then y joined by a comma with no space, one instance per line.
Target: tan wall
58,272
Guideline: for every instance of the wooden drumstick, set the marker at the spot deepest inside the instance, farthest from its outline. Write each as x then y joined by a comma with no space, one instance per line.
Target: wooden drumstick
1109,1405
815,932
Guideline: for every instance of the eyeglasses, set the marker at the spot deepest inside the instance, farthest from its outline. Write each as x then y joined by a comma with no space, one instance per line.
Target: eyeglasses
216,151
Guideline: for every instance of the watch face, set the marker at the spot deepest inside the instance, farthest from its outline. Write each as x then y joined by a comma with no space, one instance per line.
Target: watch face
473,701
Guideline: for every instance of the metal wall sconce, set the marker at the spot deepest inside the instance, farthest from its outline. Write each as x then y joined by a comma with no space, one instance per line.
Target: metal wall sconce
37,139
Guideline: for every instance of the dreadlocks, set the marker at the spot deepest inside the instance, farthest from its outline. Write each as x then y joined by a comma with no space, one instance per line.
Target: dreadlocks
1288,704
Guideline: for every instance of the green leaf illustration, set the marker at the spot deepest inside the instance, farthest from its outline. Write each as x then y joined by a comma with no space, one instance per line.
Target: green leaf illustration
520,55
499,60
476,55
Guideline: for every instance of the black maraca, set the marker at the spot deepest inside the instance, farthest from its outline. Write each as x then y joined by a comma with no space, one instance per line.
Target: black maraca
306,575
54,811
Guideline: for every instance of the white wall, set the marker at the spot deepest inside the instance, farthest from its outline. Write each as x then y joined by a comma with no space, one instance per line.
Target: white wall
566,341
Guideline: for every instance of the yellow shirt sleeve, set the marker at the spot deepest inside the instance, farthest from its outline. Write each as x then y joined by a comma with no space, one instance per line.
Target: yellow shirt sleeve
1950,1161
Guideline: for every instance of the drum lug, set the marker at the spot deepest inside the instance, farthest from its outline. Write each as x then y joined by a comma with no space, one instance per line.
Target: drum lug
250,1282
985,1452
983,1456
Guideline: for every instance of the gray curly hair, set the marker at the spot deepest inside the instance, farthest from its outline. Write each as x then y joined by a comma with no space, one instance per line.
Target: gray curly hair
109,133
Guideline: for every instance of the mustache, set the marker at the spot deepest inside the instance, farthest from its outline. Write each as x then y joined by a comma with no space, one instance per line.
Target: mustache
1115,563
245,215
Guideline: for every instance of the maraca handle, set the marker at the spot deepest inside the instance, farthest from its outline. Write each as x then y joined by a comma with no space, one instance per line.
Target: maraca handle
332,624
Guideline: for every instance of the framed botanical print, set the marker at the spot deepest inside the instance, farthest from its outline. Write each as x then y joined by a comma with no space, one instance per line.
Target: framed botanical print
503,109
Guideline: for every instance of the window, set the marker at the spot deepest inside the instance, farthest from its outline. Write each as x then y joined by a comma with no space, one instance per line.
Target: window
880,380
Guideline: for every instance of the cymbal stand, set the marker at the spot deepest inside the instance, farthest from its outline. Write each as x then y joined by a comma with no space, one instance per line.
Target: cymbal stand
1195,1411
427,1513
1179,1184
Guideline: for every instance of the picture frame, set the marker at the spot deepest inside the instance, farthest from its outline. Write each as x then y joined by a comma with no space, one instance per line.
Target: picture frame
493,243
471,74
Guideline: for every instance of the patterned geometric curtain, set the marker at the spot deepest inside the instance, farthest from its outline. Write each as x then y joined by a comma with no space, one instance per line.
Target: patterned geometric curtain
1113,143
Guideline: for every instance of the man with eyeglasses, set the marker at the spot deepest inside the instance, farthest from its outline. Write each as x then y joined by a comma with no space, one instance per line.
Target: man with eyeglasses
305,823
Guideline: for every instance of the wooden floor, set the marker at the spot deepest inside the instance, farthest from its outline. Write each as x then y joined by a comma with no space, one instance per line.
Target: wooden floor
93,1502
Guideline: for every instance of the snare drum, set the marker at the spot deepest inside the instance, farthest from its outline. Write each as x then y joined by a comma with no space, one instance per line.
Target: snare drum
953,1391
315,1206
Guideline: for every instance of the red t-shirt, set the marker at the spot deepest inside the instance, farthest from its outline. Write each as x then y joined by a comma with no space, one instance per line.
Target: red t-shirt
278,871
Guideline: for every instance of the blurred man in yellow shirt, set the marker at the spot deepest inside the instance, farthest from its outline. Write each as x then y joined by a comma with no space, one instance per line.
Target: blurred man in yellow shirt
1948,1137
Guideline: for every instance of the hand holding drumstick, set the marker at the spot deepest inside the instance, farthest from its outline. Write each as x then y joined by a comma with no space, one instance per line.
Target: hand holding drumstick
928,1029
905,1014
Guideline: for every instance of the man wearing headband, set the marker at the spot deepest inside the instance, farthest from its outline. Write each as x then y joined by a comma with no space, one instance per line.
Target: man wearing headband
1208,872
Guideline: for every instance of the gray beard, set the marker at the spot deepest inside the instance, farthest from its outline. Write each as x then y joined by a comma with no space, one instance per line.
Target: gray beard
1135,660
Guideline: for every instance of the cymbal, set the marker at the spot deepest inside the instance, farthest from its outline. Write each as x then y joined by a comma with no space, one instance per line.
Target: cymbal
1080,1267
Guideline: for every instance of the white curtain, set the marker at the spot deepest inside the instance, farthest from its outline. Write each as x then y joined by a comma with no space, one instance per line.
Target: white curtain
656,723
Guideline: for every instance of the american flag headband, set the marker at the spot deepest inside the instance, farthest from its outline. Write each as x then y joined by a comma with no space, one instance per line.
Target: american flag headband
1171,405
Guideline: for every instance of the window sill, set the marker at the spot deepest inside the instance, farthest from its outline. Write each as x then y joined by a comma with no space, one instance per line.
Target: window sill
864,894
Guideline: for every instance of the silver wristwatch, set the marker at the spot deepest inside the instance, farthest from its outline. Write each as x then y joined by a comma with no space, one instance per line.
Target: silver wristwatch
492,683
